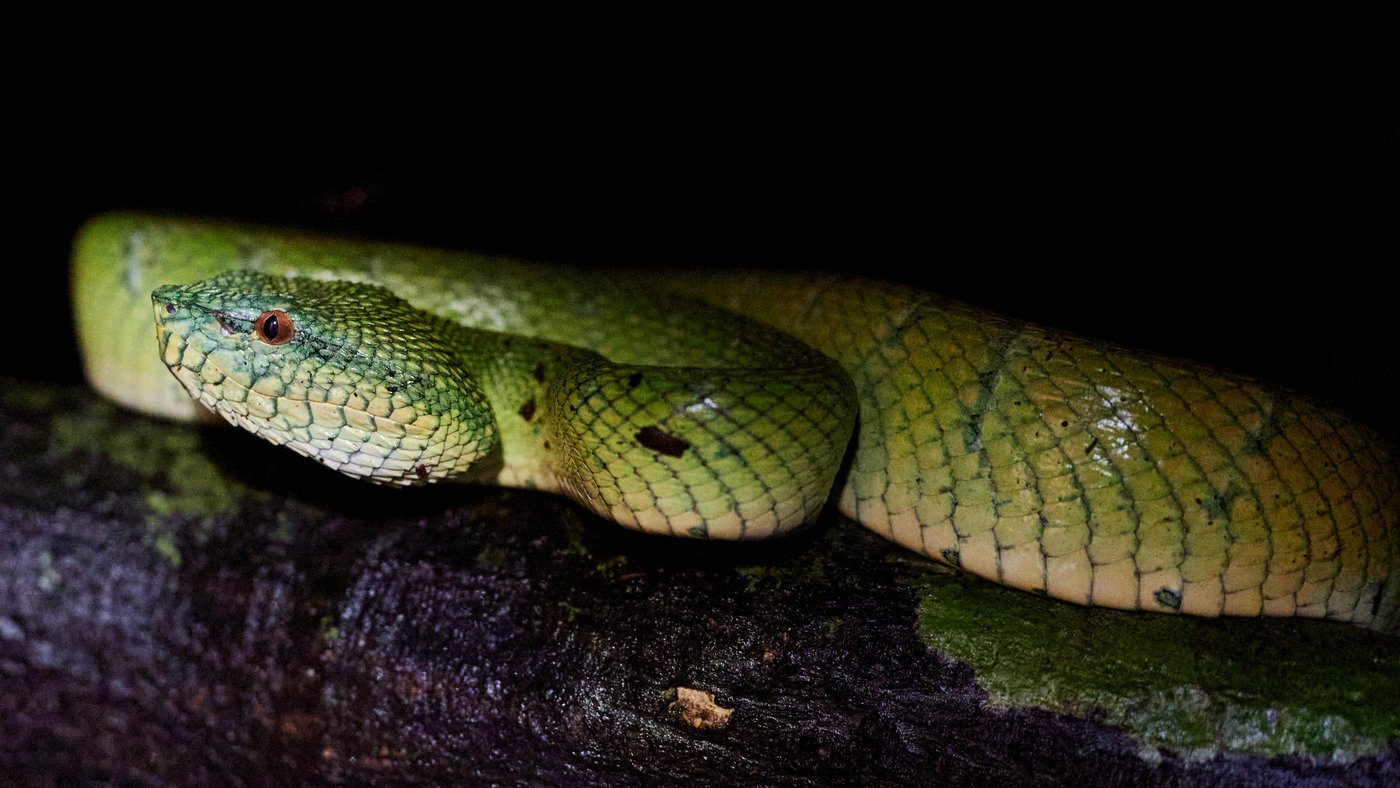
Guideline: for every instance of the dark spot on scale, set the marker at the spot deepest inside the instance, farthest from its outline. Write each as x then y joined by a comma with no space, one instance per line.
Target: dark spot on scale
1376,604
1168,598
1090,448
951,555
634,380
527,411
539,372
422,471
662,442
392,389
989,379
546,445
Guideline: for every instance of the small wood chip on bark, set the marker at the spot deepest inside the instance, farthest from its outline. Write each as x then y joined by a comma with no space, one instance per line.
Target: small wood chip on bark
699,710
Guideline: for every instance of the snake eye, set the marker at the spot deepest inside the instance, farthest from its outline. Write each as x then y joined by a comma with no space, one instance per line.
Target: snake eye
274,327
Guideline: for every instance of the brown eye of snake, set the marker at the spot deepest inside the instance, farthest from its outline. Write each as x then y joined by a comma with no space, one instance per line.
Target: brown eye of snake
274,327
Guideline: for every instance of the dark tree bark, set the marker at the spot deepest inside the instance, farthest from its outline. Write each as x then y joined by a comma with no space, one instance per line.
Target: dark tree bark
187,606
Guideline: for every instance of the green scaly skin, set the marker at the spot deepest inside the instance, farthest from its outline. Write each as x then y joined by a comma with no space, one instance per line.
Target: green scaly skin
374,388
1047,462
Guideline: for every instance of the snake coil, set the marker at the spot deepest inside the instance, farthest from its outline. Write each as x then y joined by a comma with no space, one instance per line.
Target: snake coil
1051,463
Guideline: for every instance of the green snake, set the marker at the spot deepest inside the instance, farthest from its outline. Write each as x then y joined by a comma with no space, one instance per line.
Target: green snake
1047,462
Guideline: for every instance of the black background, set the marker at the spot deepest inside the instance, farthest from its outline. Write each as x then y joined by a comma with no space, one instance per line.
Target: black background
1224,190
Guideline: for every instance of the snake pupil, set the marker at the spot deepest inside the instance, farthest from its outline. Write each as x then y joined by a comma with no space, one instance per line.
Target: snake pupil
273,327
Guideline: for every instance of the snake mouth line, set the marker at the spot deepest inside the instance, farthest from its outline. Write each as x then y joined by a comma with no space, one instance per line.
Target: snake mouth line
404,454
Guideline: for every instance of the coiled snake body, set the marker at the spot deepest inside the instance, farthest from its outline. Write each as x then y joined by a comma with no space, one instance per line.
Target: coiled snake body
1047,462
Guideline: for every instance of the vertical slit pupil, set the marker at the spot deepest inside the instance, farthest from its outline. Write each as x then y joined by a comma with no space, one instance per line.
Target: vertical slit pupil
274,327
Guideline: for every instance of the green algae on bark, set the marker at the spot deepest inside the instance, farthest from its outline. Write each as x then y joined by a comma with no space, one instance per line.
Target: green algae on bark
166,456
184,489
1194,685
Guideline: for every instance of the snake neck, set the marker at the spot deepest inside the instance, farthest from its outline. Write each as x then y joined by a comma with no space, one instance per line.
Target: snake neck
520,379
707,452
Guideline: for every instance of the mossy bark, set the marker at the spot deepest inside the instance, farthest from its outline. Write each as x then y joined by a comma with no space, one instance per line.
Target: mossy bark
184,605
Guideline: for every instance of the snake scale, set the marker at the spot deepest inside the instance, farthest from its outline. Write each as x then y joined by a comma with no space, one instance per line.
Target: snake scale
1047,462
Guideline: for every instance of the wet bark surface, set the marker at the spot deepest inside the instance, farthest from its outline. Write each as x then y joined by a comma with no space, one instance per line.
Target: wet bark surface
187,606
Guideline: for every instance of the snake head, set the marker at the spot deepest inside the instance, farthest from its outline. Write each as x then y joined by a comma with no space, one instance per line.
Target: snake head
343,372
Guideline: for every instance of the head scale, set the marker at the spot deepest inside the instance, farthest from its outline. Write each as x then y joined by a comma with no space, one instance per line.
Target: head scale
344,372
